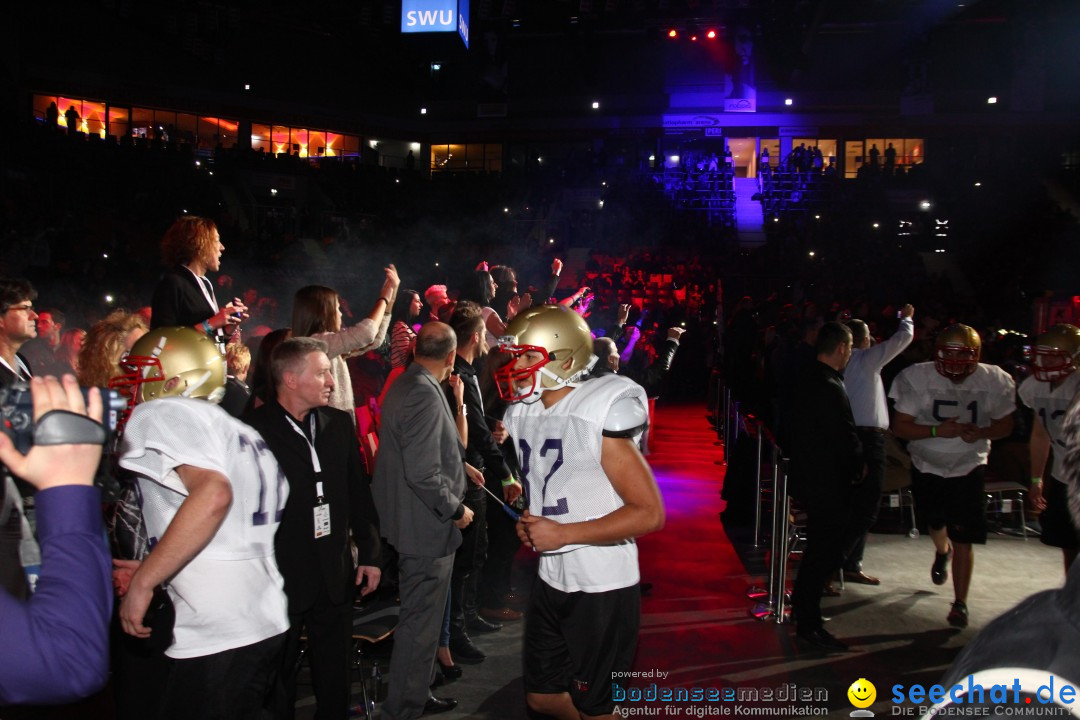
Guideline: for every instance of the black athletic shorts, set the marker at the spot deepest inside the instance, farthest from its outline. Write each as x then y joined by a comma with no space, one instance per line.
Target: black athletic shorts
1056,521
575,641
955,503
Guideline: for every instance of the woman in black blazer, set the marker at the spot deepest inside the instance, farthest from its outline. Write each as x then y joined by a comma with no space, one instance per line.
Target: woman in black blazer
184,296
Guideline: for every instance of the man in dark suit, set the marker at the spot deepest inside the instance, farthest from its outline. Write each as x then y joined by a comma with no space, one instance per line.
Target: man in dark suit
329,499
825,466
418,487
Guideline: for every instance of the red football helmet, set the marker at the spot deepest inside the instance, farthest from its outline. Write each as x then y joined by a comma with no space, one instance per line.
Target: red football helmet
171,362
957,351
1055,353
564,343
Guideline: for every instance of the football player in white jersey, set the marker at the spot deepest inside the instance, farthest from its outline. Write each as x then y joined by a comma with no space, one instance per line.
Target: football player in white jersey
1049,392
950,409
212,497
589,493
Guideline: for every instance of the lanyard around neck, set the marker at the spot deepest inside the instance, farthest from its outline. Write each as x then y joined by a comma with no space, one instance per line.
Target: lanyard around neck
310,442
206,287
23,372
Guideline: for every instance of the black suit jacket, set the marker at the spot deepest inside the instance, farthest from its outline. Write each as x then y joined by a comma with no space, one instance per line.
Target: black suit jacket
826,455
482,451
310,565
179,302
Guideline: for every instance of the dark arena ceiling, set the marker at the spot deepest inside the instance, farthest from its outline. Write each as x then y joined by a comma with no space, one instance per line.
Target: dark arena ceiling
350,58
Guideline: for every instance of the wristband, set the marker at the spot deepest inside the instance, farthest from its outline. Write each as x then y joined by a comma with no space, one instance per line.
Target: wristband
1036,481
509,481
207,328
933,431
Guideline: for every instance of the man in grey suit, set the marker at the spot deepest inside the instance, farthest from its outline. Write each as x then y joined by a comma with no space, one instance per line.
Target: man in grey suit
418,488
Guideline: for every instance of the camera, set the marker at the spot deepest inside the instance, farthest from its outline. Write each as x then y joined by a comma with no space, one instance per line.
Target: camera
17,413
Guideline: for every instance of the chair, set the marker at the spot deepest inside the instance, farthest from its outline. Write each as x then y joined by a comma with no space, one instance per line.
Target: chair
896,490
998,503
373,622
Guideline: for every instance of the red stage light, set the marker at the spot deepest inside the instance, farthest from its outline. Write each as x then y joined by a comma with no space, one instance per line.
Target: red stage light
693,38
711,34
673,33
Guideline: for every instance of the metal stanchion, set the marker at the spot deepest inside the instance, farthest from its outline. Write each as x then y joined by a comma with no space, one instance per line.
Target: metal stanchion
753,425
717,408
735,423
768,608
760,427
726,424
775,603
780,487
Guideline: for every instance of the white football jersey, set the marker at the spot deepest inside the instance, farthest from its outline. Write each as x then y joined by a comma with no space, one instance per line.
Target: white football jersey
559,448
923,393
1050,405
230,594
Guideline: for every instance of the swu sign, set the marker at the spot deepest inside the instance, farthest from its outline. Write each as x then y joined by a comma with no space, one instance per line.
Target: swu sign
425,16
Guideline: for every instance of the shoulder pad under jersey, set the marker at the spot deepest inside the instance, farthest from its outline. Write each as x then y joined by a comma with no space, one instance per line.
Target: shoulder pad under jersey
626,418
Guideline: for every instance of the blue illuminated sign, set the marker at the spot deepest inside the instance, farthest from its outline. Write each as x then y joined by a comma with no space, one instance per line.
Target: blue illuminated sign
463,21
419,16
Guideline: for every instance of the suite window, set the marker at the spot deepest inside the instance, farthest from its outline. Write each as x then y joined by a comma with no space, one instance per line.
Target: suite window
214,131
89,115
476,157
142,119
260,138
119,121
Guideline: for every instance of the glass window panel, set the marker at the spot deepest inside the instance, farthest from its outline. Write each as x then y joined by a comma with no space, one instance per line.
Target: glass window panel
828,148
456,158
299,142
913,151
41,106
474,155
141,120
260,138
439,154
773,146
164,126
93,118
853,157
185,128
64,104
218,131
350,145
206,133
898,146
879,143
316,143
334,145
119,122
493,154
279,136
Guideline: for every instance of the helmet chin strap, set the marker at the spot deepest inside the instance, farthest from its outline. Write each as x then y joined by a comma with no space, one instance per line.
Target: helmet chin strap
572,381
539,389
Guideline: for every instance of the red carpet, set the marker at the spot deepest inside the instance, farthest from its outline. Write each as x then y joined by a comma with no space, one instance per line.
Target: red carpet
695,622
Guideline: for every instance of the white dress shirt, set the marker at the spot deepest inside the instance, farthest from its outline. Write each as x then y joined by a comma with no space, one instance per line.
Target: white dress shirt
862,377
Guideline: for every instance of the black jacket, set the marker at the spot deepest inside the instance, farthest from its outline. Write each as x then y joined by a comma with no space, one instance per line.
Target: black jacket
179,302
482,452
309,564
824,446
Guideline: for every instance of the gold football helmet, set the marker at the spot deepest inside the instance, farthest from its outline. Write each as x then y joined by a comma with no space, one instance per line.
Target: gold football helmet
1055,353
956,351
172,362
560,336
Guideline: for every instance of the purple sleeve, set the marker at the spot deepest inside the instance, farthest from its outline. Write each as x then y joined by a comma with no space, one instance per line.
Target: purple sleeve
54,648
